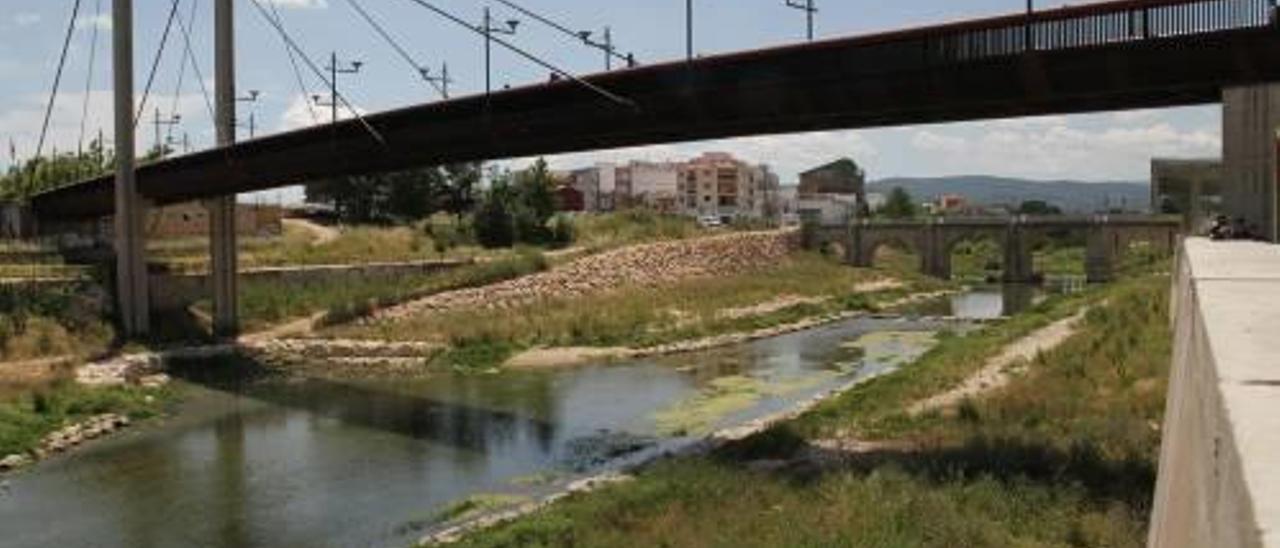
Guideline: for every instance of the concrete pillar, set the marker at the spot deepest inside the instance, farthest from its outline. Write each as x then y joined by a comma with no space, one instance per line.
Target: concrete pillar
1019,265
1195,209
935,258
130,235
1250,117
222,210
860,256
1100,254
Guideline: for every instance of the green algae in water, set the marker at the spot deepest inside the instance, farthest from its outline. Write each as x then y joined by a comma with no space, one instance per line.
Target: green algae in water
723,396
893,347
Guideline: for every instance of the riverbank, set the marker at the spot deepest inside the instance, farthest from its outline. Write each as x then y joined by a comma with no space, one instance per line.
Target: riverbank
1062,453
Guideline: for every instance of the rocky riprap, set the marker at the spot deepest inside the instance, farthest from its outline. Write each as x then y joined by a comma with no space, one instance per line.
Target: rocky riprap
646,265
67,438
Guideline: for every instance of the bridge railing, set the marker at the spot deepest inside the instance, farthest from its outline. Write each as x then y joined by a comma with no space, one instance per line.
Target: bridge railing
1093,25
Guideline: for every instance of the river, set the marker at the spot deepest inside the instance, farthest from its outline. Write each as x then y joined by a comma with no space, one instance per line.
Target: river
373,463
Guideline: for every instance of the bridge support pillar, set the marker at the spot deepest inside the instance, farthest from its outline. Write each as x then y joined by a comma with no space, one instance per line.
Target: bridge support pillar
1019,265
1101,250
222,211
132,300
856,253
1250,116
935,258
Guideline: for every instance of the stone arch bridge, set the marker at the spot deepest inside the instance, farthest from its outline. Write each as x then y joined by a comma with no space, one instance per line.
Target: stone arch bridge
1107,238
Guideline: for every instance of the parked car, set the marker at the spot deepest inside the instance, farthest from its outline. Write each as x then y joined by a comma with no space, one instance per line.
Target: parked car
709,221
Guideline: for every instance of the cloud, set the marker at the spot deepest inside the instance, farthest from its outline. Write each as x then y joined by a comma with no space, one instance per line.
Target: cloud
1063,149
100,21
303,112
301,4
26,19
23,118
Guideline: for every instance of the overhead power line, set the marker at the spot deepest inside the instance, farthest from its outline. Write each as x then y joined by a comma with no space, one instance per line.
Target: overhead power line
88,79
182,74
575,34
155,63
293,63
317,72
419,70
57,77
531,57
195,66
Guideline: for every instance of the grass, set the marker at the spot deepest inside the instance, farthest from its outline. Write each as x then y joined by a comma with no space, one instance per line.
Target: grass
38,321
610,230
639,316
24,421
1065,455
265,303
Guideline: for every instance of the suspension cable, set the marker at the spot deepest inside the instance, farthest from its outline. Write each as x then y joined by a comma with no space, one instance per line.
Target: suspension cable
155,63
88,79
318,73
182,74
195,66
557,26
57,78
293,63
544,64
421,71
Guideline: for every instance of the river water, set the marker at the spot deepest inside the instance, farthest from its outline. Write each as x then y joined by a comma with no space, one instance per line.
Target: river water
323,463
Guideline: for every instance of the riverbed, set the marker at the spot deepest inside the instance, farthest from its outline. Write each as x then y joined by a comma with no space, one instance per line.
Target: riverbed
375,463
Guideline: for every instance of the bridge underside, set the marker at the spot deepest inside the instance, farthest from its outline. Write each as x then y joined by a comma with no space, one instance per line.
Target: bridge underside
852,83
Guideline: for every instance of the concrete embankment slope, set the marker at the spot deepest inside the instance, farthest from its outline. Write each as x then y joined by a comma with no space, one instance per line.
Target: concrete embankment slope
1219,482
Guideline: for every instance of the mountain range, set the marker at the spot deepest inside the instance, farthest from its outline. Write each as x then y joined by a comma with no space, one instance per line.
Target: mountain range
1070,196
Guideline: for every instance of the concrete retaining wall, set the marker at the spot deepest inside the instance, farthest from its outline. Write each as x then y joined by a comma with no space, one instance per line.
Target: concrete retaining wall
172,291
1219,482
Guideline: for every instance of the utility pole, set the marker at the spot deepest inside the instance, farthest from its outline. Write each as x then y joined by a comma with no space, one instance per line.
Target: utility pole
251,98
608,49
489,30
809,10
131,267
688,29
334,71
1030,33
443,80
222,210
171,121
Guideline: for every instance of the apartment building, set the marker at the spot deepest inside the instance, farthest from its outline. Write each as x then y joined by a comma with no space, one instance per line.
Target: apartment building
717,184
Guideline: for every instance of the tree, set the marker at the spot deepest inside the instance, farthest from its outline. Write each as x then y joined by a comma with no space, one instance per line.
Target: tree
401,196
461,181
516,208
42,173
1038,207
492,221
900,205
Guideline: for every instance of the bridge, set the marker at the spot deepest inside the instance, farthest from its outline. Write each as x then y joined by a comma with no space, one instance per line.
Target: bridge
1108,238
1108,56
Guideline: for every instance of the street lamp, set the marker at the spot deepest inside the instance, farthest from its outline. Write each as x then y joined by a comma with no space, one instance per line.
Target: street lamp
172,120
352,67
489,30
251,98
688,29
607,47
443,80
809,10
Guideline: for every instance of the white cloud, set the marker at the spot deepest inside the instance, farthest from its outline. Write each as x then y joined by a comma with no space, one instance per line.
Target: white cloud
22,120
26,19
303,112
1062,149
100,21
301,4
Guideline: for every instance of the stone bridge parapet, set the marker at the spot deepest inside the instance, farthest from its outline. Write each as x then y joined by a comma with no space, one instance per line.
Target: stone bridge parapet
1108,237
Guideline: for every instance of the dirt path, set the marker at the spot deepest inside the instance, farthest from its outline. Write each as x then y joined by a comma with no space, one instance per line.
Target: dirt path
999,369
322,234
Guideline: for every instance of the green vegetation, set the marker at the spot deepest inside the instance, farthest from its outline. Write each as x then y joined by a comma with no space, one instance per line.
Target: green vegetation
44,321
899,205
632,226
642,316
476,505
264,303
24,421
1021,466
517,208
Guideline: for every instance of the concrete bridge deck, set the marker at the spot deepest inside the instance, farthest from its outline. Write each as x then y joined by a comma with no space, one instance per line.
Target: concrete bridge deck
1219,481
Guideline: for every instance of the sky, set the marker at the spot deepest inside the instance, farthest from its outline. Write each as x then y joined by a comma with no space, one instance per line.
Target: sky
1095,147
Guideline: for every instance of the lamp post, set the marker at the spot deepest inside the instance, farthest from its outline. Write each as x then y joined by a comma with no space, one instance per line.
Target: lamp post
251,98
443,80
606,45
809,10
352,67
688,29
487,28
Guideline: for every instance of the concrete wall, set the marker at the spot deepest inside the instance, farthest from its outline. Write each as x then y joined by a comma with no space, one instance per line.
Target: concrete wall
1219,481
1250,116
172,291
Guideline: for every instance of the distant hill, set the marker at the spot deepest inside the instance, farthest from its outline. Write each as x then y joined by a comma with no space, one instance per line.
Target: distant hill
1071,196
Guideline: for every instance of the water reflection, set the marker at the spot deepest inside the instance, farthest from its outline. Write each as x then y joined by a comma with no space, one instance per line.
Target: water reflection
996,301
322,463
